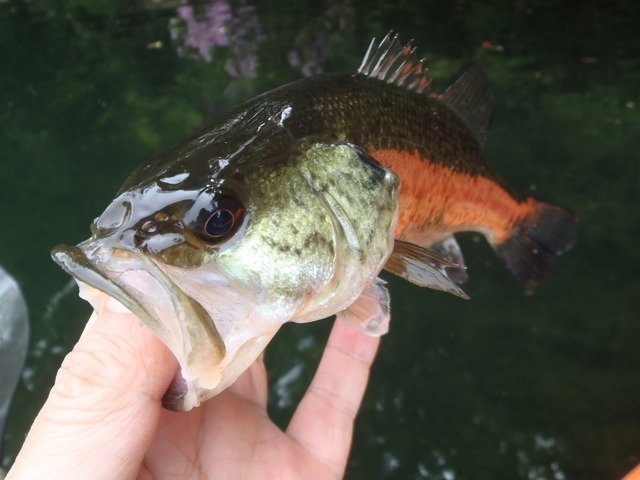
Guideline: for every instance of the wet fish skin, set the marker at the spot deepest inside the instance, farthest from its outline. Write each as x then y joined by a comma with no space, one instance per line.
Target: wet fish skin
397,127
305,250
335,174
289,228
333,107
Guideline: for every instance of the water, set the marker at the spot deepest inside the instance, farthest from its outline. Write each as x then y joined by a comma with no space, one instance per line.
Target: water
507,385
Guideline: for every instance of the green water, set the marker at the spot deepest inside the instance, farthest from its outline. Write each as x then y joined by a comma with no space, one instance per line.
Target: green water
506,385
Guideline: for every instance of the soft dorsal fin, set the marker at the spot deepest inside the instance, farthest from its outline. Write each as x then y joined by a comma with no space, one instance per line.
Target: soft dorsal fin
423,267
469,96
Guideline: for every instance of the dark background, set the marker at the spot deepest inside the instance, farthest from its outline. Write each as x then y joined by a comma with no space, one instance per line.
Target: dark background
507,385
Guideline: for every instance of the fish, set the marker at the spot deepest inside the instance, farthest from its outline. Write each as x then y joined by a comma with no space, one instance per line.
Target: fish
288,207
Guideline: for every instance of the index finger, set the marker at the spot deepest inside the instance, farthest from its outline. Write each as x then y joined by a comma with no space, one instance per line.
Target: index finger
102,412
323,422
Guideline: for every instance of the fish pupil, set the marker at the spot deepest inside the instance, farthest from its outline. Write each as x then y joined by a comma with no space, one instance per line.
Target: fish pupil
216,224
219,223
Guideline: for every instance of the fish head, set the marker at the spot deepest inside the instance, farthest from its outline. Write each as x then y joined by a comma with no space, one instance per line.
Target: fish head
212,260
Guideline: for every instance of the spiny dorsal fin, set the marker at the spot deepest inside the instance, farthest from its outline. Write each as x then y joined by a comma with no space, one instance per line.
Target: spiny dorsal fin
396,64
469,96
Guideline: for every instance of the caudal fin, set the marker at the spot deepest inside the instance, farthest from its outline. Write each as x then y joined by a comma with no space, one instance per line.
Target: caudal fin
531,250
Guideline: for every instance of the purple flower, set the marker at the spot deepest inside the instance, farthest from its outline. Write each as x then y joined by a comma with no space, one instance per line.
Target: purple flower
196,30
205,30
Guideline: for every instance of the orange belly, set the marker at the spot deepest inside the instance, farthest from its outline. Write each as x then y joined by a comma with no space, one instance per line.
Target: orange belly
436,201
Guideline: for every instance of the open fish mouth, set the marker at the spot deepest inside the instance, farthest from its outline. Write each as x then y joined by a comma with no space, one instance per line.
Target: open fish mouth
147,291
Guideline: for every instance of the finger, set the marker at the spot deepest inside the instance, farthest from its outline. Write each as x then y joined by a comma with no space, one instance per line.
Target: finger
323,422
102,412
633,474
252,384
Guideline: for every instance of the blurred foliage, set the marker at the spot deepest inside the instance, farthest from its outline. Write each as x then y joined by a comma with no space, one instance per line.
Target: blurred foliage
507,385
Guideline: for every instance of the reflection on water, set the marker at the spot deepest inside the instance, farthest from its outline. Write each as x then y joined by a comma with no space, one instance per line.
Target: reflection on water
54,302
43,349
200,35
318,38
198,29
503,386
283,384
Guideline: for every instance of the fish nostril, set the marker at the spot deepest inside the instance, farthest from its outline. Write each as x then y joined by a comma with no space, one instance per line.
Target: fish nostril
121,254
113,217
149,227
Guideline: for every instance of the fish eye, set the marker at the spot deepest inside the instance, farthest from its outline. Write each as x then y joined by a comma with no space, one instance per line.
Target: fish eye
221,221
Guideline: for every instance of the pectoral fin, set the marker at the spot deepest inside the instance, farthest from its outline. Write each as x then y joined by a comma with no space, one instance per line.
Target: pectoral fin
424,268
370,312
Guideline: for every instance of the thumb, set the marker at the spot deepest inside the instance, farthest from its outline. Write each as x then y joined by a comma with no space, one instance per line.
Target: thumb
102,412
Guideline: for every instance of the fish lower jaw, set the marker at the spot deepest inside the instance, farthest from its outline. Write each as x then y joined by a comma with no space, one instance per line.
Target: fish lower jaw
189,388
187,392
99,300
133,284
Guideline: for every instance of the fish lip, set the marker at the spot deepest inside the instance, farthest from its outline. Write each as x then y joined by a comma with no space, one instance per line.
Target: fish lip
73,260
200,343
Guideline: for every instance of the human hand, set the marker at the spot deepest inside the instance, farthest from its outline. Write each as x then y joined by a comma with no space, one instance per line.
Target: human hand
104,419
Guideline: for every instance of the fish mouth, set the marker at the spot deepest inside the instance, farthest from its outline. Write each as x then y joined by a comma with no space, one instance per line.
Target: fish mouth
138,283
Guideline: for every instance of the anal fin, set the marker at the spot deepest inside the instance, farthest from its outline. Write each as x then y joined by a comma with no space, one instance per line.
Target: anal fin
370,312
424,268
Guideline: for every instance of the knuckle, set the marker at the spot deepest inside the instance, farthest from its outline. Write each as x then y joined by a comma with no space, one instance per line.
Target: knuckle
360,356
94,375
334,401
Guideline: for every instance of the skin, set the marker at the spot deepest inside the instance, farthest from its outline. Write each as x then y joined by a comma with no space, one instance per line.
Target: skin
104,420
633,474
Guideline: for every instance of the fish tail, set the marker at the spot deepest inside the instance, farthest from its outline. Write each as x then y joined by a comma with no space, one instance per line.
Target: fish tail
529,252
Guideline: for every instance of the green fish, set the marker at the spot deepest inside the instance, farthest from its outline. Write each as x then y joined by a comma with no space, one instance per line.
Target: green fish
287,208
